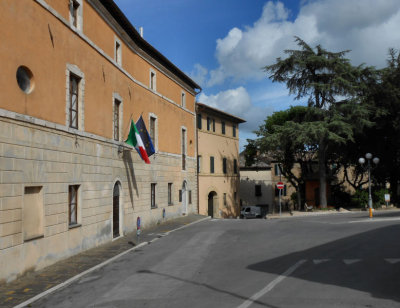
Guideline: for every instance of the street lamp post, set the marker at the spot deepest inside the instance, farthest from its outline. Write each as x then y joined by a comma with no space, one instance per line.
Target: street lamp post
375,160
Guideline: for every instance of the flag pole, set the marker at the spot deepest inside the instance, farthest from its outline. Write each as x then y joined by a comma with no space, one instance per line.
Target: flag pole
129,124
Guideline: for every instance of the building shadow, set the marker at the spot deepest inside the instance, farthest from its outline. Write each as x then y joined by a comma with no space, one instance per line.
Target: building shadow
207,286
130,174
359,262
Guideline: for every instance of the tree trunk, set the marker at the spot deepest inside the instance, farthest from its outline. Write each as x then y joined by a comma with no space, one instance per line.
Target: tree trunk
298,198
322,174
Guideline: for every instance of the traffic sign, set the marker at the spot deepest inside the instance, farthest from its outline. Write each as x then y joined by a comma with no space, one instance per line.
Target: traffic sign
280,185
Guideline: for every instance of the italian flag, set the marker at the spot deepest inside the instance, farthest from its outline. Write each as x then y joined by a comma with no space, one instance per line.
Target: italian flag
135,141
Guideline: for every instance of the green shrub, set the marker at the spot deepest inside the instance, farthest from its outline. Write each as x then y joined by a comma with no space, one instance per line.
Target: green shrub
379,197
360,199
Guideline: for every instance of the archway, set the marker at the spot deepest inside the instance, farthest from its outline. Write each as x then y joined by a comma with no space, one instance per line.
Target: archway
212,197
116,210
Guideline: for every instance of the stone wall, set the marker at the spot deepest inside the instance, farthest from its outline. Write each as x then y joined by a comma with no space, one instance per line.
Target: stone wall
49,158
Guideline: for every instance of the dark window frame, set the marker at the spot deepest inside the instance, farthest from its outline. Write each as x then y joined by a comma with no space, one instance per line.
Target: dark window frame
223,128
258,190
153,195
170,194
73,191
199,123
212,167
224,165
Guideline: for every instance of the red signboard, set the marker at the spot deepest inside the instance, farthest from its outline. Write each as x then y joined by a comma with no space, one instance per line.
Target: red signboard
280,185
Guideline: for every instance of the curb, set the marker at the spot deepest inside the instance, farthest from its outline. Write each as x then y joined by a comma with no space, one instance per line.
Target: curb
76,277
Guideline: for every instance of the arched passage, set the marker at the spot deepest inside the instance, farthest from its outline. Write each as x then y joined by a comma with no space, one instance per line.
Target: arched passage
116,210
212,203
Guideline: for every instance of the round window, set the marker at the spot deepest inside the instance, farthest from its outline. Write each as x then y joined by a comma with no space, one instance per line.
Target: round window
25,79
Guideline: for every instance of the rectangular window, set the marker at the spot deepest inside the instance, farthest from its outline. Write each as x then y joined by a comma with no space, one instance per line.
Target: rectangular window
169,193
225,199
183,149
74,9
234,130
190,196
117,104
258,191
183,99
153,195
208,123
223,128
73,204
213,125
234,197
117,51
211,164
235,166
199,121
224,165
199,163
33,213
152,80
153,130
73,100
180,195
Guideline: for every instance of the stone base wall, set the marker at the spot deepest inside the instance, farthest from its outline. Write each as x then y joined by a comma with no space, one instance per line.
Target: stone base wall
53,159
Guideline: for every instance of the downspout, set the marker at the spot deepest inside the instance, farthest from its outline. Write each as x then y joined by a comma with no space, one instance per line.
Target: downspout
197,157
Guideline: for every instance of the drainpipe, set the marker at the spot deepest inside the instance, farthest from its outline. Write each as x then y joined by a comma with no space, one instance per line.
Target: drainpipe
197,155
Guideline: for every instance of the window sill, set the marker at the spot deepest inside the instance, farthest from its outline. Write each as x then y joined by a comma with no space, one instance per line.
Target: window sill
154,207
73,226
32,238
170,204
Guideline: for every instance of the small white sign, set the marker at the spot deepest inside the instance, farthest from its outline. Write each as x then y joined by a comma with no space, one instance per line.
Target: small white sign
387,197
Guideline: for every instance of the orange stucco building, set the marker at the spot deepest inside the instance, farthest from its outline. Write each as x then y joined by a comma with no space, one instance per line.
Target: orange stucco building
74,75
218,162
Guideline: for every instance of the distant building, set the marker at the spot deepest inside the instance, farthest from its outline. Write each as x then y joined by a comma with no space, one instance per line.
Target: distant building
74,74
258,185
217,161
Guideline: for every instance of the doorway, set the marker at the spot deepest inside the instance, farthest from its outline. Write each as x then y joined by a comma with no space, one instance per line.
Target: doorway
116,210
212,196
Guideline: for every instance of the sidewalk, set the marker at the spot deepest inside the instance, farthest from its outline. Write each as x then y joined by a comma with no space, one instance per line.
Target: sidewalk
325,212
66,271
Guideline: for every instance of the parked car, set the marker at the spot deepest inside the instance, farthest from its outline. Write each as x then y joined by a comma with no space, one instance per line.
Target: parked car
250,212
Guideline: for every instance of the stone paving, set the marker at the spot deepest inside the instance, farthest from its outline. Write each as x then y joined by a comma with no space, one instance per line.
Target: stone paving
34,283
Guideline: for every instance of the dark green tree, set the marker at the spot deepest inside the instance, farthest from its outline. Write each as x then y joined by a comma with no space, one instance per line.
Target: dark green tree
279,139
383,99
322,77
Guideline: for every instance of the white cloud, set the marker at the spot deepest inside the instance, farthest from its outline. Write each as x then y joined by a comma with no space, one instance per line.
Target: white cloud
238,103
368,28
199,74
233,101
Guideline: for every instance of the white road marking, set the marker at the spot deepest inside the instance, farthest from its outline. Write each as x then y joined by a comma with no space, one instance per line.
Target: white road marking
392,261
271,285
319,261
374,220
351,261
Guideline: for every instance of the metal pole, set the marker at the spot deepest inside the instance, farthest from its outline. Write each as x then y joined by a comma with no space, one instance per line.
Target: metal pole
369,189
280,190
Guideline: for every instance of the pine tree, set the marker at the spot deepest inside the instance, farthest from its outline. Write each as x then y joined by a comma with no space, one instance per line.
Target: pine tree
326,78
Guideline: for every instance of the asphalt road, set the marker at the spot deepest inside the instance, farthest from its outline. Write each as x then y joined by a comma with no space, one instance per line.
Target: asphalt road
338,260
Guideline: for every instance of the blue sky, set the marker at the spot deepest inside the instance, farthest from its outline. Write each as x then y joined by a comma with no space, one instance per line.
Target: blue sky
223,44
